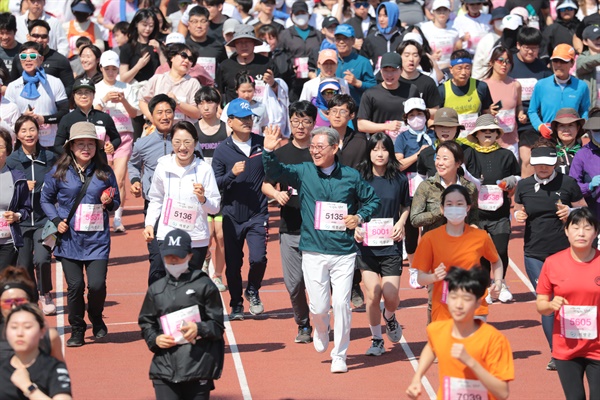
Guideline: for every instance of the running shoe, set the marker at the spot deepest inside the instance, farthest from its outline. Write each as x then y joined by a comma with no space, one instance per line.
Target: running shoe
377,348
393,328
219,283
338,366
76,339
551,365
48,306
256,306
206,262
488,298
304,334
321,340
237,313
414,273
118,225
99,330
505,294
358,298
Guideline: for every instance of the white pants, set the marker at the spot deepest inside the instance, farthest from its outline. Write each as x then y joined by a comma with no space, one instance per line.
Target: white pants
321,270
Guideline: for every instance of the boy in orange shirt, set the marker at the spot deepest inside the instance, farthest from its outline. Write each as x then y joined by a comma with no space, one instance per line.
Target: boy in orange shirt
475,359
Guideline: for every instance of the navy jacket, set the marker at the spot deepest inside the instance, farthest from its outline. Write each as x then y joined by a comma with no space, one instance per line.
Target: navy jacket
34,170
57,199
19,203
242,198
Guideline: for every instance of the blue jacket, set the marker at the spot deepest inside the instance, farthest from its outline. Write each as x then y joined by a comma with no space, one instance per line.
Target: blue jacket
20,203
344,185
57,200
548,98
362,70
34,170
242,197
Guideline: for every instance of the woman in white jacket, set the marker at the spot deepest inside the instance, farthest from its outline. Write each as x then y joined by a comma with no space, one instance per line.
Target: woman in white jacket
183,192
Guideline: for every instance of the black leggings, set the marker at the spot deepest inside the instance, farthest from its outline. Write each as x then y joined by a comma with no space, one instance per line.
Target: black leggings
36,258
571,373
411,238
196,390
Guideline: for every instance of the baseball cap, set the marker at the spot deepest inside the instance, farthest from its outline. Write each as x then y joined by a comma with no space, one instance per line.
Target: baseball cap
177,243
330,21
591,32
563,52
229,25
298,6
521,12
414,103
391,59
512,22
84,83
239,108
328,55
81,130
345,30
263,48
567,4
499,13
109,58
83,6
243,31
440,4
543,156
415,37
175,37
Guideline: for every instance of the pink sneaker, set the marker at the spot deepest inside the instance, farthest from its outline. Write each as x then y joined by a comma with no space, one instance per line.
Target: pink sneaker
48,306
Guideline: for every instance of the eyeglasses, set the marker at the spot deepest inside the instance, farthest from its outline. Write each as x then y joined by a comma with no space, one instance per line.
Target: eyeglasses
198,21
90,145
39,35
317,149
32,56
305,122
503,61
335,111
186,143
10,303
81,93
530,48
329,92
359,4
185,56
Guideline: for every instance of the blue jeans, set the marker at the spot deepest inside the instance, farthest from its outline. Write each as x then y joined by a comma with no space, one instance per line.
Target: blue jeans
533,267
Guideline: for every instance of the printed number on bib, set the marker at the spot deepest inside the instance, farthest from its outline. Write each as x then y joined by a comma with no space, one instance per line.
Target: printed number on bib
378,232
464,389
468,121
527,85
122,120
180,215
491,197
209,65
330,216
89,218
4,227
579,322
507,120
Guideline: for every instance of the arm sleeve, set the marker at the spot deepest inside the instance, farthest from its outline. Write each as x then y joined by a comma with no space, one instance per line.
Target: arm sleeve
148,322
419,216
134,165
48,196
156,196
577,172
24,207
275,169
368,78
211,192
432,96
212,326
59,382
364,111
490,252
423,260
62,135
223,176
484,94
584,105
368,200
499,358
534,106
587,63
62,109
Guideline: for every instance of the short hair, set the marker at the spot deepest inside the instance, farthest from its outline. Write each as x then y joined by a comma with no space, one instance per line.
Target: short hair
30,308
84,41
161,98
8,22
31,45
333,137
425,63
122,26
454,148
213,2
207,93
39,22
455,188
269,30
529,36
303,108
175,49
582,214
475,280
456,54
4,134
245,4
200,11
543,142
185,126
21,120
340,99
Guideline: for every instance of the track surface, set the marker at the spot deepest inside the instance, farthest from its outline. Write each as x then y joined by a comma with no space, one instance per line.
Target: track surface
263,362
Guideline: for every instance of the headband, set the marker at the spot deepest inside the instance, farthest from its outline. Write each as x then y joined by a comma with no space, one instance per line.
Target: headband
16,285
460,61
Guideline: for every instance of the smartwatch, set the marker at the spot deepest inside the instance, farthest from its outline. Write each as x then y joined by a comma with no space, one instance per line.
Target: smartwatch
32,388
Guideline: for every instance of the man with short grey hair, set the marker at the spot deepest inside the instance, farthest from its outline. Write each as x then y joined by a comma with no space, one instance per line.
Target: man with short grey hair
334,201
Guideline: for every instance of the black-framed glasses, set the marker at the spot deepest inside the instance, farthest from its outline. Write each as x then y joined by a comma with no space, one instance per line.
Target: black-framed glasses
32,56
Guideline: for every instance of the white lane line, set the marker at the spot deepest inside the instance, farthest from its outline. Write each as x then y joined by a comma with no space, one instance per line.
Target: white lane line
415,364
60,305
521,276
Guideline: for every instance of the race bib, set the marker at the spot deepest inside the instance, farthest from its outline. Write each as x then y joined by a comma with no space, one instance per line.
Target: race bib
445,46
468,121
378,232
491,197
47,135
4,227
414,180
579,322
330,216
180,215
89,218
122,120
527,85
507,120
101,133
179,115
464,389
301,64
377,66
260,89
394,134
209,64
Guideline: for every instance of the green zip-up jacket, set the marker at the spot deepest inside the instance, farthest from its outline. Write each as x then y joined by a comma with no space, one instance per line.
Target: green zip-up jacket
344,185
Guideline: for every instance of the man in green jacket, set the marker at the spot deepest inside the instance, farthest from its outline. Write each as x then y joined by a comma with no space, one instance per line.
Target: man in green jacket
334,200
588,62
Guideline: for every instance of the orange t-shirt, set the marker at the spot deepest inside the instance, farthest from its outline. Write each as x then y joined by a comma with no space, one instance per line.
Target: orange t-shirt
486,345
463,251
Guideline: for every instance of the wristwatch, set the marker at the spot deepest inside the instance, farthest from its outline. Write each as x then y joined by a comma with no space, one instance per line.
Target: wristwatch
32,388
360,219
18,214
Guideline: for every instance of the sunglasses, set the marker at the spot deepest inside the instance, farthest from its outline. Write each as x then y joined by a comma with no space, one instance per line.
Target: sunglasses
503,61
32,56
359,4
185,56
568,9
39,35
329,92
10,303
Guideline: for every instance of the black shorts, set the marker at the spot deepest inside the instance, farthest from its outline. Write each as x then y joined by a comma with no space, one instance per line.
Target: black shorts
382,265
528,137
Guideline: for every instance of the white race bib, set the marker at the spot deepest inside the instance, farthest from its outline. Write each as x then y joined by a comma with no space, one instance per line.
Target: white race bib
180,215
579,322
209,64
122,120
101,133
464,389
378,232
179,115
89,218
330,216
4,227
301,64
491,197
414,180
47,135
527,85
507,120
260,89
468,121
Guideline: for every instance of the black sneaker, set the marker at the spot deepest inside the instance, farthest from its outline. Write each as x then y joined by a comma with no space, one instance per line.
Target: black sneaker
76,339
99,330
256,306
358,298
304,334
237,313
551,365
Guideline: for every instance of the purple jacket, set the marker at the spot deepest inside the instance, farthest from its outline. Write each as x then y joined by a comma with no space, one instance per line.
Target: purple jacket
586,165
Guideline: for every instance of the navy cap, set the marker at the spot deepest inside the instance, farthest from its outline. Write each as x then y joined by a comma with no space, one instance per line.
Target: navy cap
298,6
499,13
329,21
391,59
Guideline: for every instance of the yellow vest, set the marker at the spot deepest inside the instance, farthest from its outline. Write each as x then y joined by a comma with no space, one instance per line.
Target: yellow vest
469,103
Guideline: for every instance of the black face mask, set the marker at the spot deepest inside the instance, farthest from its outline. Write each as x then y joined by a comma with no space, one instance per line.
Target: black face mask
81,16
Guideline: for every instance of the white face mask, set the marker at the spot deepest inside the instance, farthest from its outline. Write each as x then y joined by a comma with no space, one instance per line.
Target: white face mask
176,269
417,122
300,20
498,24
455,215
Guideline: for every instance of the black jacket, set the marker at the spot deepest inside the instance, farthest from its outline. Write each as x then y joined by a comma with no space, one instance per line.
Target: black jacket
354,149
376,45
557,33
188,362
54,64
34,170
356,23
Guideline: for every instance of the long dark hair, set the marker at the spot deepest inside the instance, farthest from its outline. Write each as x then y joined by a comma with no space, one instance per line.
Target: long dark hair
101,168
139,16
496,53
366,166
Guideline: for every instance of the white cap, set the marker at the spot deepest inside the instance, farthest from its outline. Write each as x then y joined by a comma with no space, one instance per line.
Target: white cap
109,58
414,37
414,103
263,48
521,12
175,37
440,4
512,22
567,4
229,25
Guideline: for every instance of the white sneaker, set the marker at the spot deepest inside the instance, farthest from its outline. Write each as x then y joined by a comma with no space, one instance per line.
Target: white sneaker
48,306
377,348
414,273
338,366
321,341
505,294
118,225
219,284
488,298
